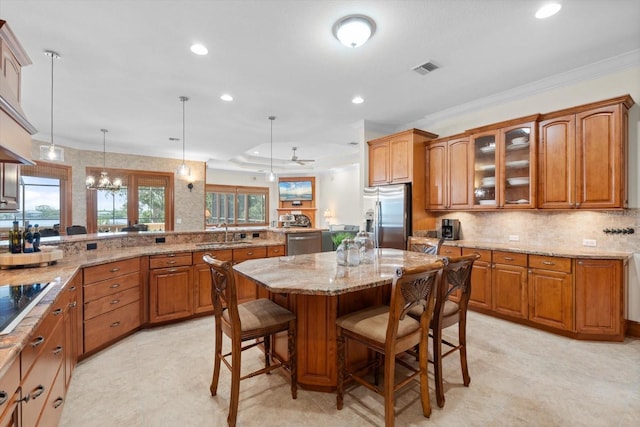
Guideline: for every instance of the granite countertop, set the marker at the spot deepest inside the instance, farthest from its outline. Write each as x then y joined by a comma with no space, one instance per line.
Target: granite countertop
550,250
319,274
65,269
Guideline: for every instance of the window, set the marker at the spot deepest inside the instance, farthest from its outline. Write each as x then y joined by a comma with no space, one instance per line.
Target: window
144,198
45,197
236,205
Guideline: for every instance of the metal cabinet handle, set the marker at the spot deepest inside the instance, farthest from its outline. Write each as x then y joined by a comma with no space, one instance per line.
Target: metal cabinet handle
57,350
115,269
58,402
73,304
171,255
580,262
37,341
249,253
115,324
115,301
36,392
548,263
57,311
4,396
508,258
115,285
71,289
171,262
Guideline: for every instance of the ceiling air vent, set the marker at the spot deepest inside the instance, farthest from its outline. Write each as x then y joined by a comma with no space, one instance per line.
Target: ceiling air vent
425,68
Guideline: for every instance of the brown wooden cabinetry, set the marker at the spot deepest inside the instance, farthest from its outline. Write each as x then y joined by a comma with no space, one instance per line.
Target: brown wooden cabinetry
509,284
170,287
583,156
449,180
599,298
551,291
9,187
202,279
247,289
111,302
480,279
401,158
72,325
10,396
41,360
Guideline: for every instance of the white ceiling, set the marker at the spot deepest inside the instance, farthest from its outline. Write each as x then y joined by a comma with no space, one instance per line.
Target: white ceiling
125,63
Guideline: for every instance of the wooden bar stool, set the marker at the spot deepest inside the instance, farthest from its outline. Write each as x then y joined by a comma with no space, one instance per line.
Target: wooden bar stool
426,245
389,332
253,320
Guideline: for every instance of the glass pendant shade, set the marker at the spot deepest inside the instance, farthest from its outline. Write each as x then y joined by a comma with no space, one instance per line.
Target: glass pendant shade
183,170
50,152
271,176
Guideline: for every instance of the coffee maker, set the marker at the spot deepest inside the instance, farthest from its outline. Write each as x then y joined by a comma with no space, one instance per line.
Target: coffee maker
451,229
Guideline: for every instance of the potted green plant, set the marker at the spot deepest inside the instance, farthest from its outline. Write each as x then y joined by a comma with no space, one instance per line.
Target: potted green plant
339,237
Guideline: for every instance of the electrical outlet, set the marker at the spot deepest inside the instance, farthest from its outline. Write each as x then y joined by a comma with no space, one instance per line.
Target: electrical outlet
514,238
160,240
92,246
588,242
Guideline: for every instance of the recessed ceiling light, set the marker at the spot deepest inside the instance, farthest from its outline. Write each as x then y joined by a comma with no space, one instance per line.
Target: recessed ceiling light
548,10
226,97
256,152
354,30
357,100
199,49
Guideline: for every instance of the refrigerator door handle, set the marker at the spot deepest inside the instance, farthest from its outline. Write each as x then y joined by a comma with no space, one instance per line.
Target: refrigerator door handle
378,223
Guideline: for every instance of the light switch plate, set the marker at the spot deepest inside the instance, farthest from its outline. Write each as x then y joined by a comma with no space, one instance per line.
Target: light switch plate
514,238
588,242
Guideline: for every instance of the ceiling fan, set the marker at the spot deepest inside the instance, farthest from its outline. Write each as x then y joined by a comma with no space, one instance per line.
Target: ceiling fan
295,158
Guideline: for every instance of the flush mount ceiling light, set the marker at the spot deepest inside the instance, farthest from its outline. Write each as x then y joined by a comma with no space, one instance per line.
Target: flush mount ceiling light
271,176
199,49
183,170
103,183
548,10
50,152
357,100
354,30
226,97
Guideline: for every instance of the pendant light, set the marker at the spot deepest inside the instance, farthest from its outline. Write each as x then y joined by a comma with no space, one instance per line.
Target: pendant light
103,183
50,152
183,170
271,176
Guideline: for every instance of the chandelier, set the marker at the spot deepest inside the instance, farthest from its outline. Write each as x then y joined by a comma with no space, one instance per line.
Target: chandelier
103,183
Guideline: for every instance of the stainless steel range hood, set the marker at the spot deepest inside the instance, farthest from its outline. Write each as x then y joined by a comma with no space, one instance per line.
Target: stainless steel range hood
15,129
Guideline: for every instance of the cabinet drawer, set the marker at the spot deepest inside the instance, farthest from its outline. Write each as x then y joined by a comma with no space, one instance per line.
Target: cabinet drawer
485,254
510,258
450,251
550,263
110,270
41,338
111,286
249,253
9,383
273,251
110,302
53,406
109,326
170,260
224,255
40,380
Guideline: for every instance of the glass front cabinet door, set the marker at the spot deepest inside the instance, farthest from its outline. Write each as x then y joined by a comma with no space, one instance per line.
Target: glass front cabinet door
504,166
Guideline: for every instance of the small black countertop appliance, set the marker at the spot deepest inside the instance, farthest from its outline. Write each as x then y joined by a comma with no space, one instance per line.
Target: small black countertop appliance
451,229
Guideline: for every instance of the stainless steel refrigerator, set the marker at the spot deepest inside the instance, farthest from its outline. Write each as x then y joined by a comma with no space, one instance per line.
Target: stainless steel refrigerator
388,214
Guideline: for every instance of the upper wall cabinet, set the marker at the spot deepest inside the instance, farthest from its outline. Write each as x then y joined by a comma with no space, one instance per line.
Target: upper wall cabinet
15,130
503,165
448,171
9,187
398,158
583,156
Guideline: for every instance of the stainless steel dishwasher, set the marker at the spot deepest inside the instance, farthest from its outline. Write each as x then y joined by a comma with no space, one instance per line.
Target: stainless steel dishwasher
304,243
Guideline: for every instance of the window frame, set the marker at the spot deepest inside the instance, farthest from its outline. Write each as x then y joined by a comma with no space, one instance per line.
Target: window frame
235,190
131,178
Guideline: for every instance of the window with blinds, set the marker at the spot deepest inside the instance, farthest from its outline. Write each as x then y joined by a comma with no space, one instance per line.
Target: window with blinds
236,205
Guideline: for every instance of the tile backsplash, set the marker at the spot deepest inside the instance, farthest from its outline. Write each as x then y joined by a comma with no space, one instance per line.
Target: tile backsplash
568,229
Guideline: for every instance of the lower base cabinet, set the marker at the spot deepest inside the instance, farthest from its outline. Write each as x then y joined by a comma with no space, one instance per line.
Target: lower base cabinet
10,396
170,294
580,298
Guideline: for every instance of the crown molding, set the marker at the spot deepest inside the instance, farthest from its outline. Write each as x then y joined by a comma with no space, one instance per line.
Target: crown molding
588,72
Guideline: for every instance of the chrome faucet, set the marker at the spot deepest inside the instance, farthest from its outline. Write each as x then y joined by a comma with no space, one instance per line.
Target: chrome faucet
226,230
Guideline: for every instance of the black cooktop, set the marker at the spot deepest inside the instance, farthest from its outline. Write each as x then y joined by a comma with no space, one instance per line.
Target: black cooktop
16,301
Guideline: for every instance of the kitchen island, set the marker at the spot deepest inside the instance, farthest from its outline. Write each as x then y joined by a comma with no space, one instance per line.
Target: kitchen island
318,291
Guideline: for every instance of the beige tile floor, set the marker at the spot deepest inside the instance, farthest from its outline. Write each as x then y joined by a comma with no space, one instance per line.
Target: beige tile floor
519,377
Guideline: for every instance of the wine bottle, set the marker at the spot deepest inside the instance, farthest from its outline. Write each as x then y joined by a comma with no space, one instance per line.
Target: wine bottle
27,240
16,239
36,238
